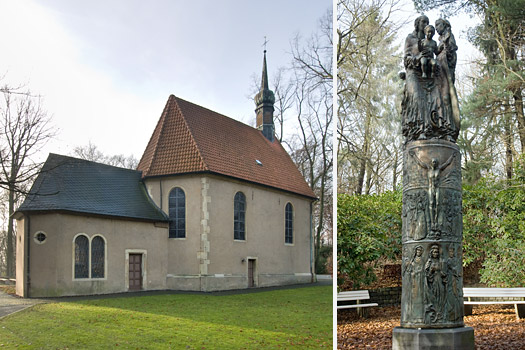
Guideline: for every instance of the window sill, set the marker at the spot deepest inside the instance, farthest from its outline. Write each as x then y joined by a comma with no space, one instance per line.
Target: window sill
89,279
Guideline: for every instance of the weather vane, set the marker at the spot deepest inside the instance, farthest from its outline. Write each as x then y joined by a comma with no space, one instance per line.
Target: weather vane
264,44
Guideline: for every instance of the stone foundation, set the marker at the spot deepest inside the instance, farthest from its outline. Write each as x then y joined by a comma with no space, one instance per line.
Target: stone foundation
461,338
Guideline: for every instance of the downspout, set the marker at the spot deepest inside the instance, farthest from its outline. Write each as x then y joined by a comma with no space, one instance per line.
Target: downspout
312,274
28,262
160,190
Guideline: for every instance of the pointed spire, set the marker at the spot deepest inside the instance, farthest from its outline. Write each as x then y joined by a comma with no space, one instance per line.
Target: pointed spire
264,101
264,80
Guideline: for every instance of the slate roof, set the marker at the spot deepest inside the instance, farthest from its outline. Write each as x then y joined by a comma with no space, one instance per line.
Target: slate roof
189,139
77,185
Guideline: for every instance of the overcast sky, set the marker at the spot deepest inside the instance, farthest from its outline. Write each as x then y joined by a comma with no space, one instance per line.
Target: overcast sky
106,67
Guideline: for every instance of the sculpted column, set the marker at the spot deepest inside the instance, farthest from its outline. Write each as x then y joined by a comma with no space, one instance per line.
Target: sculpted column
432,294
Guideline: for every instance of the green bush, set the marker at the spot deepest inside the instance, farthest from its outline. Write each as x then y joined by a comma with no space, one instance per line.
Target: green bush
368,228
325,252
494,228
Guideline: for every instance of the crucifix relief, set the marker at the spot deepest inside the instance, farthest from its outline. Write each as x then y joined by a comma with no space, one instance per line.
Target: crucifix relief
433,173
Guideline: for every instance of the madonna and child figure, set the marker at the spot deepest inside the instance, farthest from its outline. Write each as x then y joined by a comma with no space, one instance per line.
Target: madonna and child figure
430,106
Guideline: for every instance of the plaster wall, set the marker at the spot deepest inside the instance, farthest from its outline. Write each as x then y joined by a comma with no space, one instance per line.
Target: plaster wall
210,259
275,261
182,253
52,263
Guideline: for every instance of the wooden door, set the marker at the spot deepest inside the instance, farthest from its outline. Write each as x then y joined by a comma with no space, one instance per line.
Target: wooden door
135,271
251,273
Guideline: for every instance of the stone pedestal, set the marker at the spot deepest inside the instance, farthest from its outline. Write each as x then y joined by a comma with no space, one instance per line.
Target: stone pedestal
460,338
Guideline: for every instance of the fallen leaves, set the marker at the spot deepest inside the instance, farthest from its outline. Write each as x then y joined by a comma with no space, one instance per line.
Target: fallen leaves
495,328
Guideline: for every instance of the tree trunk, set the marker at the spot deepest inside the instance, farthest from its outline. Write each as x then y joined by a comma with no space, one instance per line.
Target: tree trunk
518,106
507,142
369,172
10,251
394,170
364,157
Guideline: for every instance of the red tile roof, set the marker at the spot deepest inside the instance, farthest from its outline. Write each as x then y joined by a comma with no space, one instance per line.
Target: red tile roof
189,138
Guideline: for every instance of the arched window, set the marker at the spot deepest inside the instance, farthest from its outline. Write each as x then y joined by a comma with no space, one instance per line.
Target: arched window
239,216
97,257
288,223
81,257
177,213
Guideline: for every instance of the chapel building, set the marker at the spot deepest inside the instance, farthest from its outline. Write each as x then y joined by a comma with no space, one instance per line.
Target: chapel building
214,204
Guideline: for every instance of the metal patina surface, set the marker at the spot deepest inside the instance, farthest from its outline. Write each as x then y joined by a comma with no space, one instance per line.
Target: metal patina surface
432,294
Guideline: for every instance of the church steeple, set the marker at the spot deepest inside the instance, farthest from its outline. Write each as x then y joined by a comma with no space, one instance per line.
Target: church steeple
264,101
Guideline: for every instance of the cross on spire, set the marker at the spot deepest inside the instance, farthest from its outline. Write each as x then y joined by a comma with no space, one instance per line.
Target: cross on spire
264,44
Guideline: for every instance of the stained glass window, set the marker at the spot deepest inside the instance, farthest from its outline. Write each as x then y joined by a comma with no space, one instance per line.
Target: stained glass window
239,216
288,224
177,213
81,257
97,257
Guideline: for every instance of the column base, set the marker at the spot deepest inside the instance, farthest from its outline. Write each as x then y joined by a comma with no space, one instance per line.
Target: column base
461,338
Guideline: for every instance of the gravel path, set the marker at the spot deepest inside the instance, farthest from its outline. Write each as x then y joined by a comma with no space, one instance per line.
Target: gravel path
10,304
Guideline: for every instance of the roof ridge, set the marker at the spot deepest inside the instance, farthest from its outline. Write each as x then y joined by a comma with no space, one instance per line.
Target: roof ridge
199,151
51,154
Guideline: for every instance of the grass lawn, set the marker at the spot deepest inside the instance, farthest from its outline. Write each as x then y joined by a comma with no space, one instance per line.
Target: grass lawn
287,319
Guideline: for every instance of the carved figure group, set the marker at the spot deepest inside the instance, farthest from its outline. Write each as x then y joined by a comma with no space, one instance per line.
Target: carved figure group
430,107
432,293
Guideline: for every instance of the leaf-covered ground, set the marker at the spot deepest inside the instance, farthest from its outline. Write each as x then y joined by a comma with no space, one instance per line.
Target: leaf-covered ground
495,328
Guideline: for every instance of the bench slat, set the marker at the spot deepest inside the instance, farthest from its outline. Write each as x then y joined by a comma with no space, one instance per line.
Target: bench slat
356,306
494,292
353,295
494,302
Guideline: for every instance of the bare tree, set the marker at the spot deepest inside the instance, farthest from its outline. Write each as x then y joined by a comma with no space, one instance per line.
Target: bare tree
313,101
24,128
313,153
92,153
368,134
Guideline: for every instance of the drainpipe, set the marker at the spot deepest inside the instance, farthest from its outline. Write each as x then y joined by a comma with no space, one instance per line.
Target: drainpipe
27,285
312,262
160,190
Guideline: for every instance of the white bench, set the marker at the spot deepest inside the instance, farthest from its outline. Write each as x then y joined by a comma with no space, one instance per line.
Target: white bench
356,295
514,293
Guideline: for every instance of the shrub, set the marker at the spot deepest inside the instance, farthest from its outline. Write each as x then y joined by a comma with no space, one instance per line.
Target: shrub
494,229
368,228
